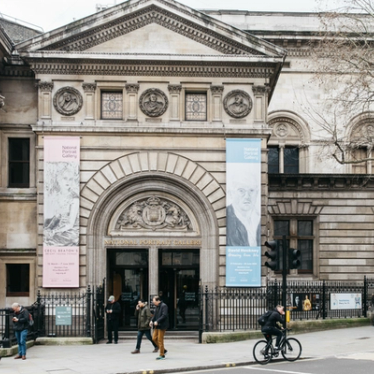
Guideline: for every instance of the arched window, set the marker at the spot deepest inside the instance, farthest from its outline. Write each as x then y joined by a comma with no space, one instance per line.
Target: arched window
360,144
288,144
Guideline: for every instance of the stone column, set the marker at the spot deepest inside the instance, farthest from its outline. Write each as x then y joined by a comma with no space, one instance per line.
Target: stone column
153,270
175,90
281,158
89,90
260,103
45,100
216,103
132,102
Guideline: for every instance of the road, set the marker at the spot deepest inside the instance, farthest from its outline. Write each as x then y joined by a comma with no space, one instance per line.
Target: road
357,364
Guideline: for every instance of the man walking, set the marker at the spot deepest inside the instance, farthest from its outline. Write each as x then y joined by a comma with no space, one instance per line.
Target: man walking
112,310
20,324
160,322
144,316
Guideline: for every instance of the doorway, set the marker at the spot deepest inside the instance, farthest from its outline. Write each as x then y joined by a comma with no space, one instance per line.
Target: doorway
179,287
128,282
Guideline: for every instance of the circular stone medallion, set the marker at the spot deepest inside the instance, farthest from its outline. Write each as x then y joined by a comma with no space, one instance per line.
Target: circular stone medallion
153,102
67,101
237,104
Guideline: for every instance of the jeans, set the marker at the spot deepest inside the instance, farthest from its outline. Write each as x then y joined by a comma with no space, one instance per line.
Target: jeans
158,338
21,340
147,333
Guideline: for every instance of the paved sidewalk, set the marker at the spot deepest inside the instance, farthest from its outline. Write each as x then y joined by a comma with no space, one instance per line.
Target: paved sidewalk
181,356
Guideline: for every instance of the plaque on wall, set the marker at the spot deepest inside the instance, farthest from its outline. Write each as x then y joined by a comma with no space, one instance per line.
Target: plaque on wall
153,102
237,104
67,101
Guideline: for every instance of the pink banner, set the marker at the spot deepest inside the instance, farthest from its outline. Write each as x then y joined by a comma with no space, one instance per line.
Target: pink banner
61,212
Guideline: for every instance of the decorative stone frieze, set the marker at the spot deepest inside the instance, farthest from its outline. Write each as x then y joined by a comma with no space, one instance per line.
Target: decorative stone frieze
202,69
153,102
67,101
153,214
237,104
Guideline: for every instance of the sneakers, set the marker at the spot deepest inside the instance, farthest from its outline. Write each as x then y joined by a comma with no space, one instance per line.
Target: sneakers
160,358
136,351
155,350
108,343
165,351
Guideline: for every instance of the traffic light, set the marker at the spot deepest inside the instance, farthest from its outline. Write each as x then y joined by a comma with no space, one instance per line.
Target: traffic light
294,258
272,255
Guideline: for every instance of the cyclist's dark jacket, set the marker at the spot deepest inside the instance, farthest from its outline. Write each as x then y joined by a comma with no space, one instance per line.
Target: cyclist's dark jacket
275,320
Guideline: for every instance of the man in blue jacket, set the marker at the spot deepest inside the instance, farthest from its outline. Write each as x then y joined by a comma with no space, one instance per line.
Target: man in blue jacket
160,322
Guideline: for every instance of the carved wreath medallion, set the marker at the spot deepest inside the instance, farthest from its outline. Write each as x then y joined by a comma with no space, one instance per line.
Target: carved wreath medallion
153,102
237,104
153,213
67,101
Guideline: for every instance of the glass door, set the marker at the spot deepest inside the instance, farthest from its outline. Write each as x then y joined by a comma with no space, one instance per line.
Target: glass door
128,281
179,287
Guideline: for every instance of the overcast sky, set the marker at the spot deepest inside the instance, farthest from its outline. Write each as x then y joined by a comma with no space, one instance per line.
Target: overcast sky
50,14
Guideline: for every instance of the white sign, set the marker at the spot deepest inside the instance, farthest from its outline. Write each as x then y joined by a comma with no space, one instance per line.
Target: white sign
345,301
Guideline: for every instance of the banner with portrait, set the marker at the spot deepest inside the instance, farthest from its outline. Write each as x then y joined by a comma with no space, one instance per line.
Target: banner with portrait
243,212
61,212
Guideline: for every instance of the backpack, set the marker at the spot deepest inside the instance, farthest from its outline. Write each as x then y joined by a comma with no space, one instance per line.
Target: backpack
264,318
31,320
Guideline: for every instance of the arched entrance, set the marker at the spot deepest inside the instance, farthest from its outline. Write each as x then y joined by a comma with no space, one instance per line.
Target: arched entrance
168,245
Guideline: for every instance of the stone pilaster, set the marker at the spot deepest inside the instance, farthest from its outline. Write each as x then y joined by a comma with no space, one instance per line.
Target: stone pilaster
45,100
89,91
260,103
132,102
174,91
216,103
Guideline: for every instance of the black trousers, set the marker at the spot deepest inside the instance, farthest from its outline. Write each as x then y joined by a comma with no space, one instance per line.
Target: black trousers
112,328
272,331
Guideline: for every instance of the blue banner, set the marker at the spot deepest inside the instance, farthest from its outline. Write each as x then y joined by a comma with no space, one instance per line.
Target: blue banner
243,212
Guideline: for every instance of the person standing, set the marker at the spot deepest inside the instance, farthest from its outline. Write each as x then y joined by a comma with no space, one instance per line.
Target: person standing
20,324
160,322
144,316
112,310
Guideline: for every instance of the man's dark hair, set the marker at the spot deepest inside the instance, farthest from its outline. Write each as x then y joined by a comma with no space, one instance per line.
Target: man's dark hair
157,298
142,300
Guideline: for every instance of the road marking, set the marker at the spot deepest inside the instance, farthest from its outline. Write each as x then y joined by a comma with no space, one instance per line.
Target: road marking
277,371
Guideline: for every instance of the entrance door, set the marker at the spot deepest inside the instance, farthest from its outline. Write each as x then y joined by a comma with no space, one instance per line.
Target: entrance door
128,281
179,287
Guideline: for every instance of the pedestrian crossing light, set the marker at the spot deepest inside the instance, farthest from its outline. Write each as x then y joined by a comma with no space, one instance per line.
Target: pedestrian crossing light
295,258
272,255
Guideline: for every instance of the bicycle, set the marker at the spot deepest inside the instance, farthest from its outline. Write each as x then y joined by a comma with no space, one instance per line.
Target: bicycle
264,350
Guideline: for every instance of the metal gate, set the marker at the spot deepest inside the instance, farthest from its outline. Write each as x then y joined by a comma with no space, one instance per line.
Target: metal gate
98,312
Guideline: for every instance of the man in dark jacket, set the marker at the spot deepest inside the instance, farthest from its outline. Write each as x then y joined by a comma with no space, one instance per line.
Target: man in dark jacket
20,324
160,322
112,310
274,325
144,316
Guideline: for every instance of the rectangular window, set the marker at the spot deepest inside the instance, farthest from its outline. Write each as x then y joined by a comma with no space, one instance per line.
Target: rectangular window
299,234
361,167
111,105
196,104
289,156
17,279
19,162
273,160
291,160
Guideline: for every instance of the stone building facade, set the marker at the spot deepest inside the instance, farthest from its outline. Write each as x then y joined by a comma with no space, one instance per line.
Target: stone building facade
149,85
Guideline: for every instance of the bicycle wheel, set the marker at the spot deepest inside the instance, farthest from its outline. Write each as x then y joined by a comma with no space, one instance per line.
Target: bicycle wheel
260,354
291,349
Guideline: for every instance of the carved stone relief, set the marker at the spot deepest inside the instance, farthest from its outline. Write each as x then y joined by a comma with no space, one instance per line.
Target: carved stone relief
153,102
153,213
67,101
237,104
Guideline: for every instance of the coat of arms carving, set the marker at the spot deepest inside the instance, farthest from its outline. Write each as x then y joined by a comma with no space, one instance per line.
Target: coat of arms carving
154,213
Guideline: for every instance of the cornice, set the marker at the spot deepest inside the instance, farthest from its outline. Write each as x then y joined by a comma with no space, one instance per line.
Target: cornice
319,182
152,14
153,68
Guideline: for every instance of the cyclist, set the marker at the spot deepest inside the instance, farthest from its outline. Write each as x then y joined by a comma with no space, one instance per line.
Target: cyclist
274,325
